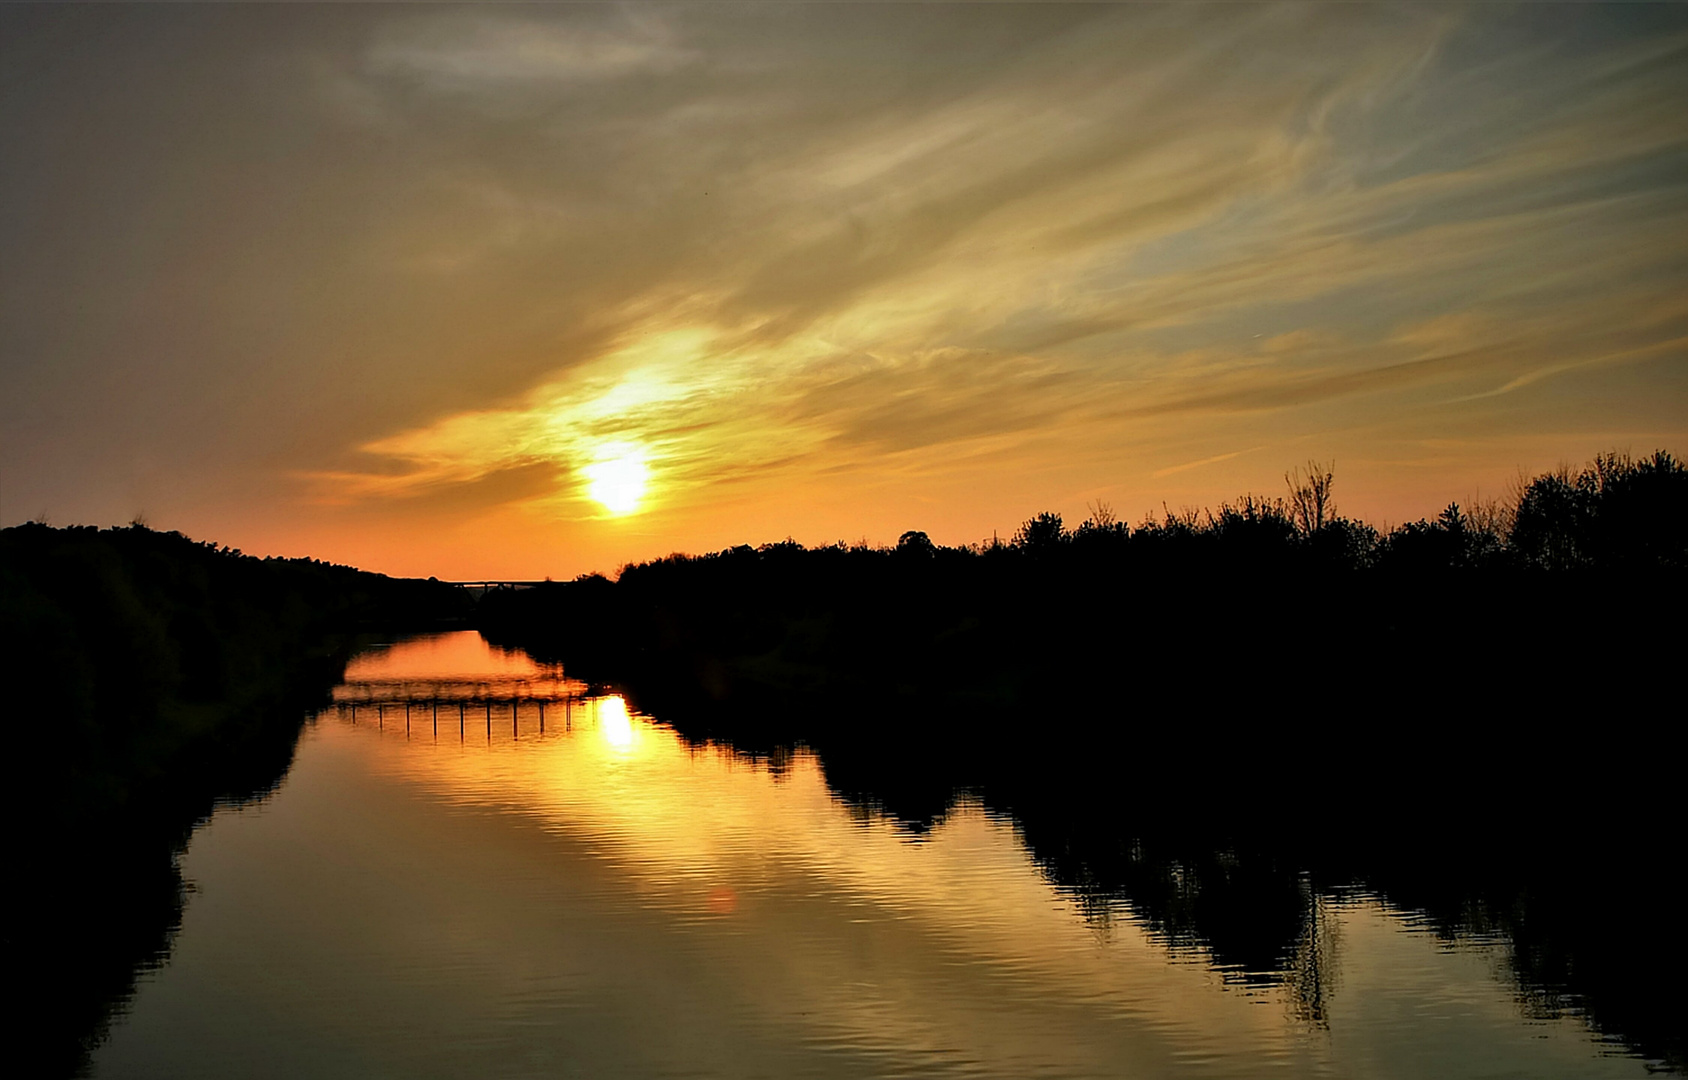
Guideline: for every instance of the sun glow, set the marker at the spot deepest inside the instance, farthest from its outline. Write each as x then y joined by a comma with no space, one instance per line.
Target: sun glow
617,480
614,723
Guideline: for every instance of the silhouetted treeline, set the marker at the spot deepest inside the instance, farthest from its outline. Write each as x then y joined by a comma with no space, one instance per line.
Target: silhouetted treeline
1218,718
1274,602
150,677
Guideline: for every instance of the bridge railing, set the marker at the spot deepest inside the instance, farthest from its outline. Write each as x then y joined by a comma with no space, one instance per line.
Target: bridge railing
423,691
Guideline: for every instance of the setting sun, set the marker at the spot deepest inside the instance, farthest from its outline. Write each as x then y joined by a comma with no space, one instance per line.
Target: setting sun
618,480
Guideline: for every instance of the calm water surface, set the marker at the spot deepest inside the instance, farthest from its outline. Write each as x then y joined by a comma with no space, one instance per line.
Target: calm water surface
473,896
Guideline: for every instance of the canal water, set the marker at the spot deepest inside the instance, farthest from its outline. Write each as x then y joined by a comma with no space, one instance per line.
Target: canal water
454,891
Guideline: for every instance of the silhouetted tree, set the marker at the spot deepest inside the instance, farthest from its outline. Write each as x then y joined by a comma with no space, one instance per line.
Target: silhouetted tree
1550,521
1310,496
1344,544
1041,534
1448,543
1615,513
915,542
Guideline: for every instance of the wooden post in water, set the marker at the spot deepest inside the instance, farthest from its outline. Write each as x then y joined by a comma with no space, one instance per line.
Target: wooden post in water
436,718
381,717
542,716
515,732
460,708
407,718
489,720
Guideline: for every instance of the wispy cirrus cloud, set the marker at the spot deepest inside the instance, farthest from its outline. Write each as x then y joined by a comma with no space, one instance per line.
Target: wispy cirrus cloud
1106,232
483,50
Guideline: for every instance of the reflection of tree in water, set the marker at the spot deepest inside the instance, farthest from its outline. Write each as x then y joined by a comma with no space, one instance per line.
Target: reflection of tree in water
1305,964
1312,971
1259,894
110,904
1252,921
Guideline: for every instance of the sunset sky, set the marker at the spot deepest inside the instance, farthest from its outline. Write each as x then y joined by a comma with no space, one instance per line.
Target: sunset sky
516,291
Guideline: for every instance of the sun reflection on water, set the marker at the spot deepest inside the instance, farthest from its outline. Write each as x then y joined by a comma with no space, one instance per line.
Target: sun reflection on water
830,926
615,724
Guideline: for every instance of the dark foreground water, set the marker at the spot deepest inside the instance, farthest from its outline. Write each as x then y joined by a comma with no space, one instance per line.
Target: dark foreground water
462,893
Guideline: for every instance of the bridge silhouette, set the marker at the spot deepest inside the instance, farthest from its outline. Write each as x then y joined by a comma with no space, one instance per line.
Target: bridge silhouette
492,694
481,588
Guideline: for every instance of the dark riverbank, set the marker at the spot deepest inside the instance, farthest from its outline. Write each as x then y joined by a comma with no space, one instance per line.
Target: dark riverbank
153,677
1233,715
1504,789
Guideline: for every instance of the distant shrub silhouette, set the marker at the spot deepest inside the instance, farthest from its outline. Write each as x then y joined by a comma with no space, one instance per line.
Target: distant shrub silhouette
915,542
1097,534
1041,534
1342,542
1451,542
1253,525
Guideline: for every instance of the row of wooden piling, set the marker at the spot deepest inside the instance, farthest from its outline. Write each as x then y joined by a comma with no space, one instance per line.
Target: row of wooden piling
351,708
